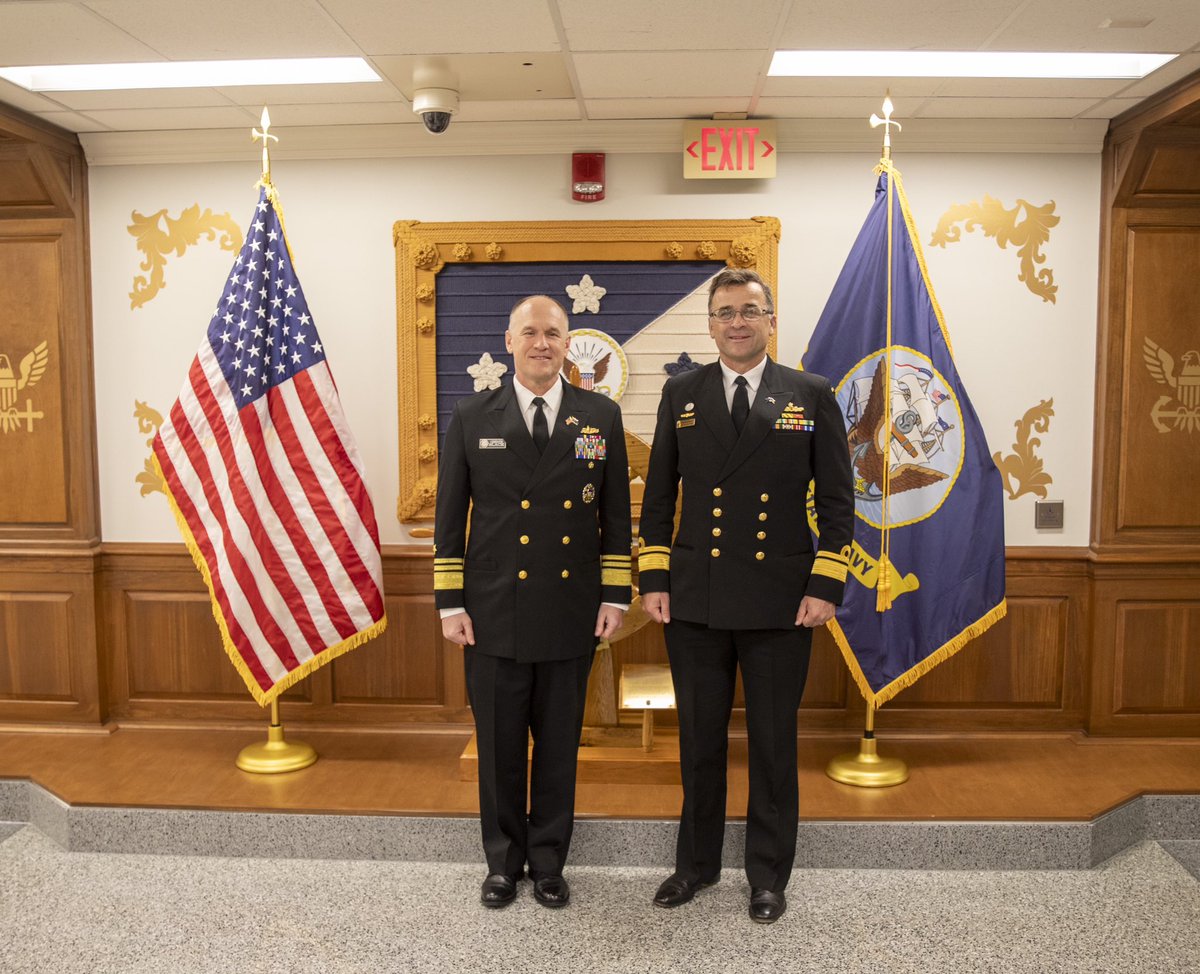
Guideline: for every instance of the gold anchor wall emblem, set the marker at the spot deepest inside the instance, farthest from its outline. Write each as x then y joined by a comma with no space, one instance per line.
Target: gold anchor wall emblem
32,367
1182,410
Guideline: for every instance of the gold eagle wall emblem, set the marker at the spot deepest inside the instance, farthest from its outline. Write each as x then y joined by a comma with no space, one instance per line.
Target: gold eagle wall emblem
1182,410
31,369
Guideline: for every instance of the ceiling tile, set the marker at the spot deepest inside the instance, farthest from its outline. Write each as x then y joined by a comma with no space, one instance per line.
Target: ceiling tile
667,74
935,25
218,29
256,96
484,77
1005,107
86,101
556,109
149,119
1029,87
365,113
1074,25
458,26
698,25
876,88
860,107
64,33
663,107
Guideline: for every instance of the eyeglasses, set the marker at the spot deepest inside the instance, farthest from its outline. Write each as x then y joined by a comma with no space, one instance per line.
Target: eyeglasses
749,315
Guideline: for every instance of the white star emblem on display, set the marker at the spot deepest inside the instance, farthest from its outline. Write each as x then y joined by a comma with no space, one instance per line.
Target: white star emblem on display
486,373
586,295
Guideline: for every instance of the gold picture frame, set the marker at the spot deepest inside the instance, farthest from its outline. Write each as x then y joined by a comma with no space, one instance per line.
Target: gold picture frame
423,250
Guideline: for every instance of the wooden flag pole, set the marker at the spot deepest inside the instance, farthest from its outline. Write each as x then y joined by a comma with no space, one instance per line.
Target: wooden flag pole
275,755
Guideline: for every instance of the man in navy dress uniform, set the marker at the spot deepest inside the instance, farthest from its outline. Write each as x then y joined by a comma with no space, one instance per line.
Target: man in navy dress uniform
739,585
538,468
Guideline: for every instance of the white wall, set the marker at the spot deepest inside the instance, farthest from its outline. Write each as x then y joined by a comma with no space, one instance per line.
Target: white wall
1012,348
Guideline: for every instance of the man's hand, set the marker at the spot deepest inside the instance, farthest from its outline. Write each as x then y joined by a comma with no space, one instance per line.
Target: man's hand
458,629
814,612
657,605
608,621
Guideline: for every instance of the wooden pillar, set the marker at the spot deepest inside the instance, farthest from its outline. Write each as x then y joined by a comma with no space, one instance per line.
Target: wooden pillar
49,507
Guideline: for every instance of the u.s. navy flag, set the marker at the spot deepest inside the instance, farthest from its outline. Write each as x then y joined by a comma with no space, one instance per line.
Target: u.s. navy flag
265,479
927,563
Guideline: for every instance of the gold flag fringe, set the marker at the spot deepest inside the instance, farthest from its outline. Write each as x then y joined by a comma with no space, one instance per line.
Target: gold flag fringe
908,678
261,696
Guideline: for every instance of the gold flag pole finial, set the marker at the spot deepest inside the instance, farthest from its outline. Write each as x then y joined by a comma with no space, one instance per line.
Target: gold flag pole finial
886,122
266,136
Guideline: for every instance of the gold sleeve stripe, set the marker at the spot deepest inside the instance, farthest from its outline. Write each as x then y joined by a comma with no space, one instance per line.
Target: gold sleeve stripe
444,581
616,576
447,561
836,572
654,562
616,560
655,549
837,559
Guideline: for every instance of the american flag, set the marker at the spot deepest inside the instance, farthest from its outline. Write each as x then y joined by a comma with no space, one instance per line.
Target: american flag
266,481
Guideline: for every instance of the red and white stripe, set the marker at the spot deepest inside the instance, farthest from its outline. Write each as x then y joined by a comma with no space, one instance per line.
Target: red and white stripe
274,497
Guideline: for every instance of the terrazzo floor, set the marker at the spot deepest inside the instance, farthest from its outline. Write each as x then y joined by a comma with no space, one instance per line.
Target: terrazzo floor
95,913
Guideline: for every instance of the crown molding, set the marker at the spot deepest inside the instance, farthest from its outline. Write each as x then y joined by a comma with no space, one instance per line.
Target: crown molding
622,136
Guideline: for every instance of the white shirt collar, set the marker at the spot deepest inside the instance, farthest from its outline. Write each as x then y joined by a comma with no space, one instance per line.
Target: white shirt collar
552,396
753,377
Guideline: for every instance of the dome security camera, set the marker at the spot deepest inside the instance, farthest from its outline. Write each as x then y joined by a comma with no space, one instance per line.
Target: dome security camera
435,93
435,106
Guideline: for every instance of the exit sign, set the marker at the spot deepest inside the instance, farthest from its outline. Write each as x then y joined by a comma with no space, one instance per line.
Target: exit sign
729,149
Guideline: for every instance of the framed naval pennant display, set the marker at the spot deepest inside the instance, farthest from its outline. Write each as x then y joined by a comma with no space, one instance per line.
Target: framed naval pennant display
636,294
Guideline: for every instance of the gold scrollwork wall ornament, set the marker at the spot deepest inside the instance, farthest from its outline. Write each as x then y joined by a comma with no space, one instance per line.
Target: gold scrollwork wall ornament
706,250
30,369
174,236
149,420
1182,410
462,251
1022,471
1029,235
425,293
494,251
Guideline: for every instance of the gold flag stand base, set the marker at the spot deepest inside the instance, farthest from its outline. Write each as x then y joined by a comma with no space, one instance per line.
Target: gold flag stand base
867,769
275,755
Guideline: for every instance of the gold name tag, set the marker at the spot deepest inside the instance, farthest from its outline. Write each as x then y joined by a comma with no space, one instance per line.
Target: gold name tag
680,423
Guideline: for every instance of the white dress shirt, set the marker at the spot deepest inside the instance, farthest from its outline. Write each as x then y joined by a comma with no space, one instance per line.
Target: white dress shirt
753,381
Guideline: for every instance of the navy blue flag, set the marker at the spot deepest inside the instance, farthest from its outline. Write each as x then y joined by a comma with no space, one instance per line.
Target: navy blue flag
927,563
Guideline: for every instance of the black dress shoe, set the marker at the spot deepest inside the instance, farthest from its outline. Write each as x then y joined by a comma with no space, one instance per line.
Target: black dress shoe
551,891
766,906
498,890
675,890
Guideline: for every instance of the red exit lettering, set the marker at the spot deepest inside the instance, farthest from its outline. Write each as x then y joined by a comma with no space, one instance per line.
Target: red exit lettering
736,149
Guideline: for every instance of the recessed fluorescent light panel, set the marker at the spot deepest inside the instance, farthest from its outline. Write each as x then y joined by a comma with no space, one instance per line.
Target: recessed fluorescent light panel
191,74
963,64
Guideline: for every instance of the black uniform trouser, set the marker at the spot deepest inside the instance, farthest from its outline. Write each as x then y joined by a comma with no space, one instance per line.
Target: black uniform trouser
704,664
510,700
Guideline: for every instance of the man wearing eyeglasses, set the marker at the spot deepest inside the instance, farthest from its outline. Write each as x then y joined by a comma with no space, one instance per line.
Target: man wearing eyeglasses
740,585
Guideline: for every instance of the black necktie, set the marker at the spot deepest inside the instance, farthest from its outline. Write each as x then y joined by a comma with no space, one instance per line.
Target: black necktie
541,429
741,403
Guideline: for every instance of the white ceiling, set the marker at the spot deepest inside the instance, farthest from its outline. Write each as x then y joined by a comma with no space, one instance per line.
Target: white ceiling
580,65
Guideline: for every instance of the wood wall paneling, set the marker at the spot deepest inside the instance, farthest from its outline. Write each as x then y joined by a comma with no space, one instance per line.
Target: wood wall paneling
33,485
1159,462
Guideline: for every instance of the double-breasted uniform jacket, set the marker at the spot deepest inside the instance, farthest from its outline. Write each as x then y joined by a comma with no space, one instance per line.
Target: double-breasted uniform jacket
550,534
743,557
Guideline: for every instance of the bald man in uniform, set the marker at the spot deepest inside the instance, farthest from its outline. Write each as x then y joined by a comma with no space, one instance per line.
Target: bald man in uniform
541,467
